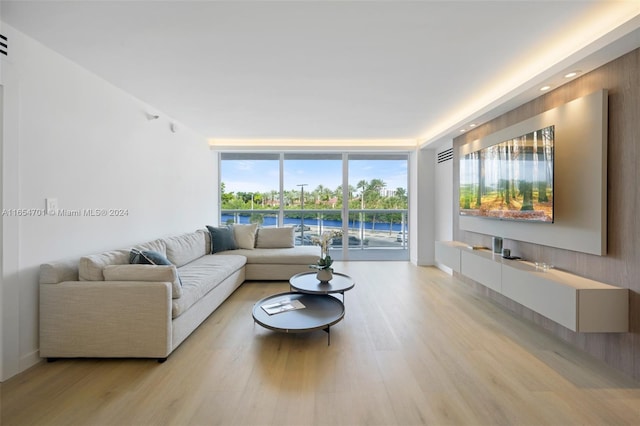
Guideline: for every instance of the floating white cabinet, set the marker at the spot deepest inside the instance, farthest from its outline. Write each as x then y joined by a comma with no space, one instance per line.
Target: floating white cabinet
556,302
481,267
448,253
577,303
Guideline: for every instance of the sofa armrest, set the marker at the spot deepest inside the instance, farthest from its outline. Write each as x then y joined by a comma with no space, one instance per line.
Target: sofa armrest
105,319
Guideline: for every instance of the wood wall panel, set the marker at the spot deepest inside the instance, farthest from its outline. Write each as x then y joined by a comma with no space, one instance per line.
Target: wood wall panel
621,265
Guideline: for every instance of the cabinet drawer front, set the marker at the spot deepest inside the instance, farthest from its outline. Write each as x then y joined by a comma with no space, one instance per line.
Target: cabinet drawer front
486,271
603,310
553,300
448,255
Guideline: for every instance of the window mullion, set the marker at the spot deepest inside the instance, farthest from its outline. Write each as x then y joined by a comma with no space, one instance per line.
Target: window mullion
345,206
281,212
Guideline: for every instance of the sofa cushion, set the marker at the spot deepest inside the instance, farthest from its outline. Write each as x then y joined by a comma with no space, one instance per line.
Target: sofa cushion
149,257
275,238
245,236
141,272
155,245
186,248
207,239
278,256
203,275
221,239
90,267
57,272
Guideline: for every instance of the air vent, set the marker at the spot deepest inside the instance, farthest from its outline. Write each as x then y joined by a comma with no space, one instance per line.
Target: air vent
4,48
445,155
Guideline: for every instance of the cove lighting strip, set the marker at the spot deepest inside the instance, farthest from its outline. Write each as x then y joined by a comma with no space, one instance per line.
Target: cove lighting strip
314,143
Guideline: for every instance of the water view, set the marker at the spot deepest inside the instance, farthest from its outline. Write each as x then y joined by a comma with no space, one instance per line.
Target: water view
326,224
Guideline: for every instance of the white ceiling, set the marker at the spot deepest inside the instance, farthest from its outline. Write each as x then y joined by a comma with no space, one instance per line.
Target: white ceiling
331,69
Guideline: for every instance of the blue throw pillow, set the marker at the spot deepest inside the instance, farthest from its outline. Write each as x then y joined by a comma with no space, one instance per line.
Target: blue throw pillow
221,239
149,257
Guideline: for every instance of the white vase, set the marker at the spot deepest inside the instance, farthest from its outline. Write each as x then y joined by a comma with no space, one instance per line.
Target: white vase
324,275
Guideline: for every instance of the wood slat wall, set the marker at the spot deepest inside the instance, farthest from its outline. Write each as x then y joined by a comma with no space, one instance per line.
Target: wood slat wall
621,265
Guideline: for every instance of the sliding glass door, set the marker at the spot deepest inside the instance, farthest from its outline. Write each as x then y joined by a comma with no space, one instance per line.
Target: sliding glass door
378,206
362,195
313,183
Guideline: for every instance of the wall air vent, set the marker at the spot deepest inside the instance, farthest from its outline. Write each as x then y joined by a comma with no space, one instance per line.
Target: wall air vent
445,155
4,47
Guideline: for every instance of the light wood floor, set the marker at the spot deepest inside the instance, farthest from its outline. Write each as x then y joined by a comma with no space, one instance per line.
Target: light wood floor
416,347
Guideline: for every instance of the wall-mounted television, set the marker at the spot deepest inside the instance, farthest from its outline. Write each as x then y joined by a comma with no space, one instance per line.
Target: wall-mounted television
511,180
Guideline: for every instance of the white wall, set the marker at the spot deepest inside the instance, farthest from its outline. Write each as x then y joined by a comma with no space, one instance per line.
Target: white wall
431,210
421,210
443,194
2,297
1,220
72,136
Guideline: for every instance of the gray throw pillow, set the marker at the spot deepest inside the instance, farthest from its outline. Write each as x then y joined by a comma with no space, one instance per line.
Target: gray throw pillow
147,257
221,239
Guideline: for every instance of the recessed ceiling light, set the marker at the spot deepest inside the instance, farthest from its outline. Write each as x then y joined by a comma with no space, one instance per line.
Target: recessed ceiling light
472,125
462,130
543,88
571,74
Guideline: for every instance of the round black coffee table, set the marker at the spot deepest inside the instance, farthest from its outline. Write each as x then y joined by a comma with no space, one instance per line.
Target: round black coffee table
306,282
319,313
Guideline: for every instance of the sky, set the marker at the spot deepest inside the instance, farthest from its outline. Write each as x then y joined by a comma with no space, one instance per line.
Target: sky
262,175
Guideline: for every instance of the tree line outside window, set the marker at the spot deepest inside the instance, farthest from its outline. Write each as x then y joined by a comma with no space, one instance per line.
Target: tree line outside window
371,194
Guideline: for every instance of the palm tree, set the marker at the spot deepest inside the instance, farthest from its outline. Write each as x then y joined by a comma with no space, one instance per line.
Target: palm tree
362,184
264,197
338,193
375,186
325,194
401,193
318,192
351,191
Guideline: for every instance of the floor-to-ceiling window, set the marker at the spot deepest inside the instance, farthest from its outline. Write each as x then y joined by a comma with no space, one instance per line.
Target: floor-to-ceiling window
362,195
378,209
313,184
250,188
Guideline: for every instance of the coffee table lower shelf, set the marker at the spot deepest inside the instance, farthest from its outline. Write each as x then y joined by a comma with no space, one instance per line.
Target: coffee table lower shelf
320,313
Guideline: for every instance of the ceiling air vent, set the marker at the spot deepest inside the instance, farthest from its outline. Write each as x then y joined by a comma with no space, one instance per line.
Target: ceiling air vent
445,155
3,45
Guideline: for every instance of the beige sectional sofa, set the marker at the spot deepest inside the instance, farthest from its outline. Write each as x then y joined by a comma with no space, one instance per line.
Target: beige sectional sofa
101,306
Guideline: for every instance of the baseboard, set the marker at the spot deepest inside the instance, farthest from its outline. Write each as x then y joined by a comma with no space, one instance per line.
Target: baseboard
29,360
443,268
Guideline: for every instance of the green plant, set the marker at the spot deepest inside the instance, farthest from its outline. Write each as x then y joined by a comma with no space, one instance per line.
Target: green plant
324,241
323,263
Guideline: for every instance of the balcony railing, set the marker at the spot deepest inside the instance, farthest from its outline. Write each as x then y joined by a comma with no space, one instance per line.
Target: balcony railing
371,231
